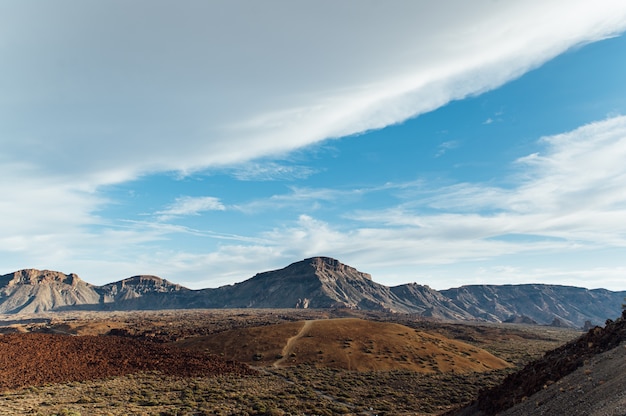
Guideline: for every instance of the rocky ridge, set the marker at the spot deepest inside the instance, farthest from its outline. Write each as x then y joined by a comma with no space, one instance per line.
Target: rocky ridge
318,282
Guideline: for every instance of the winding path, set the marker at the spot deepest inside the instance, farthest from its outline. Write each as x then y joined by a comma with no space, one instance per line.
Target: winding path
288,348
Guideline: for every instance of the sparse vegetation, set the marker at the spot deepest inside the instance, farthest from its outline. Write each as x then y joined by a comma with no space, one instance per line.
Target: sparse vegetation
304,389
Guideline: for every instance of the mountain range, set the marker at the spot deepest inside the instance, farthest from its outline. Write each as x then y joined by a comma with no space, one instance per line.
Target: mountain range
318,282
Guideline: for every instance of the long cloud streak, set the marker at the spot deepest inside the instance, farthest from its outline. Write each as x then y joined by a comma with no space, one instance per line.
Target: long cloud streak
126,89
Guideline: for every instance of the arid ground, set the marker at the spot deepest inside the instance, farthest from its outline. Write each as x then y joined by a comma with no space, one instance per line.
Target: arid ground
297,362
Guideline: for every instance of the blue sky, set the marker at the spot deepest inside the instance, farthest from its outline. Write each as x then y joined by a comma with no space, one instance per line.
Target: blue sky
203,142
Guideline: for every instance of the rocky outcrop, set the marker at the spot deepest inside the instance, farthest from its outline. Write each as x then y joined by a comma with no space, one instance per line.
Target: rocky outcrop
38,277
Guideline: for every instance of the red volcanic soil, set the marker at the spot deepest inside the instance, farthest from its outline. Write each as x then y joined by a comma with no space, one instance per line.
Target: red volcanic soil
37,359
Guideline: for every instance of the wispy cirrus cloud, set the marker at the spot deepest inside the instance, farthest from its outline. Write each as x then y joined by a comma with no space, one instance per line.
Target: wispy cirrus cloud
572,191
444,147
186,110
299,198
270,171
190,205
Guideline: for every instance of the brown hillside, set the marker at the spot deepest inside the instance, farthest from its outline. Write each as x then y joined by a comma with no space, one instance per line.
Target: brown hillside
37,359
348,343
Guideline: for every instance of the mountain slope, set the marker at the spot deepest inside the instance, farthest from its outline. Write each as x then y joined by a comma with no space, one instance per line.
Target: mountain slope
318,282
569,305
143,292
427,302
312,283
32,291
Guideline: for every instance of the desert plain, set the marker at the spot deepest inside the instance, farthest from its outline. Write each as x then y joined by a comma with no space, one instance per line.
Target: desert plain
256,362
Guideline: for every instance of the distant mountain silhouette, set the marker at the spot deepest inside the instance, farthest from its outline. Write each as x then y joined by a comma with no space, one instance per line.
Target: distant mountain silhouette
318,282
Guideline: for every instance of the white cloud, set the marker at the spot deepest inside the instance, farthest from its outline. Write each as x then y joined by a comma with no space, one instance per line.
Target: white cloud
270,171
189,205
299,198
445,146
125,89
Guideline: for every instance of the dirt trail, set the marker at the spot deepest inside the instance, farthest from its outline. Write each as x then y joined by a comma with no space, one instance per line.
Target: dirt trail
288,348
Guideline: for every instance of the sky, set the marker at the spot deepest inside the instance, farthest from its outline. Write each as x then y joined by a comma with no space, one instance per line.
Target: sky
446,143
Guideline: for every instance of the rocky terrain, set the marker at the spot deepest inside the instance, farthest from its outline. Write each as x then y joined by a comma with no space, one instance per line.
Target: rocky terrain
322,282
32,291
318,282
33,359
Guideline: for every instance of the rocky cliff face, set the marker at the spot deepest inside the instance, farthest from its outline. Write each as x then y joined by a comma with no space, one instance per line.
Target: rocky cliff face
38,277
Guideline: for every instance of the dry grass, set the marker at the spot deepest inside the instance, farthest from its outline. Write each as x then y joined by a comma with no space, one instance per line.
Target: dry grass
289,391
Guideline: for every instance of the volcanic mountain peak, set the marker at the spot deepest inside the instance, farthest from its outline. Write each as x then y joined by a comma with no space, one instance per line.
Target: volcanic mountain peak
326,269
33,291
323,269
331,267
39,277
